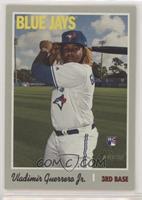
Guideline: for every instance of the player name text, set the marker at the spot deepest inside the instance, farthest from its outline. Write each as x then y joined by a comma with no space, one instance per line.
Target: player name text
47,178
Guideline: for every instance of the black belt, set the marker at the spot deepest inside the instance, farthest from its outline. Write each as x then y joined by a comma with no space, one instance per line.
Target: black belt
70,132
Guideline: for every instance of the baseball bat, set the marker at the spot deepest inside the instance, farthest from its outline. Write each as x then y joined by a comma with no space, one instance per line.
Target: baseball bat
105,49
110,49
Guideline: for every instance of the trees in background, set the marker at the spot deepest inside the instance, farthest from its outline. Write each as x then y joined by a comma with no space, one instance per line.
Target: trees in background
24,75
117,69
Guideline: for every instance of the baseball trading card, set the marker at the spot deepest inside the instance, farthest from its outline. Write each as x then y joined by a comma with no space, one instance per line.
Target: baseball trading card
70,89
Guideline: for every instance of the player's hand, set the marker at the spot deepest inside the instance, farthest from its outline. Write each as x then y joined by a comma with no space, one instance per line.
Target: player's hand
52,50
45,45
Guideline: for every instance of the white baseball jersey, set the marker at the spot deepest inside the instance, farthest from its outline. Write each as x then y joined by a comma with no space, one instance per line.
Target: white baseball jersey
71,108
72,98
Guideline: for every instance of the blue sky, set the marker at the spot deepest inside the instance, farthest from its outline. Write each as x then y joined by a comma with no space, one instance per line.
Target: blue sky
111,28
84,24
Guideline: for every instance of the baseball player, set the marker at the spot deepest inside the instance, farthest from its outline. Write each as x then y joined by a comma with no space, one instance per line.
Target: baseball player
74,135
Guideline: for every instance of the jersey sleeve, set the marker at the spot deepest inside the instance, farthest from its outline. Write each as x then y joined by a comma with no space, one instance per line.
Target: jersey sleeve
69,75
43,73
41,70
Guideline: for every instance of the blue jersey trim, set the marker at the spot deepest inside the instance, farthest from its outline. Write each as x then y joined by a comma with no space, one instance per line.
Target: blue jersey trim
54,78
85,150
43,74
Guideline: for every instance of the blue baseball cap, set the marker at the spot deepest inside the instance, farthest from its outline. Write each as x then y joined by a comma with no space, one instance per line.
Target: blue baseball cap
74,37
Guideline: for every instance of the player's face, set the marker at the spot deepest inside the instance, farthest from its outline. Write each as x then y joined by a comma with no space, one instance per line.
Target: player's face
72,53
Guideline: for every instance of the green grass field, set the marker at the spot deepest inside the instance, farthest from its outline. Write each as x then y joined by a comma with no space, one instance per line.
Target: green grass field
32,124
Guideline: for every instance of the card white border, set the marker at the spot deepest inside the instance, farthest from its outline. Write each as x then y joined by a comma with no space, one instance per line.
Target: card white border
12,102
95,194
